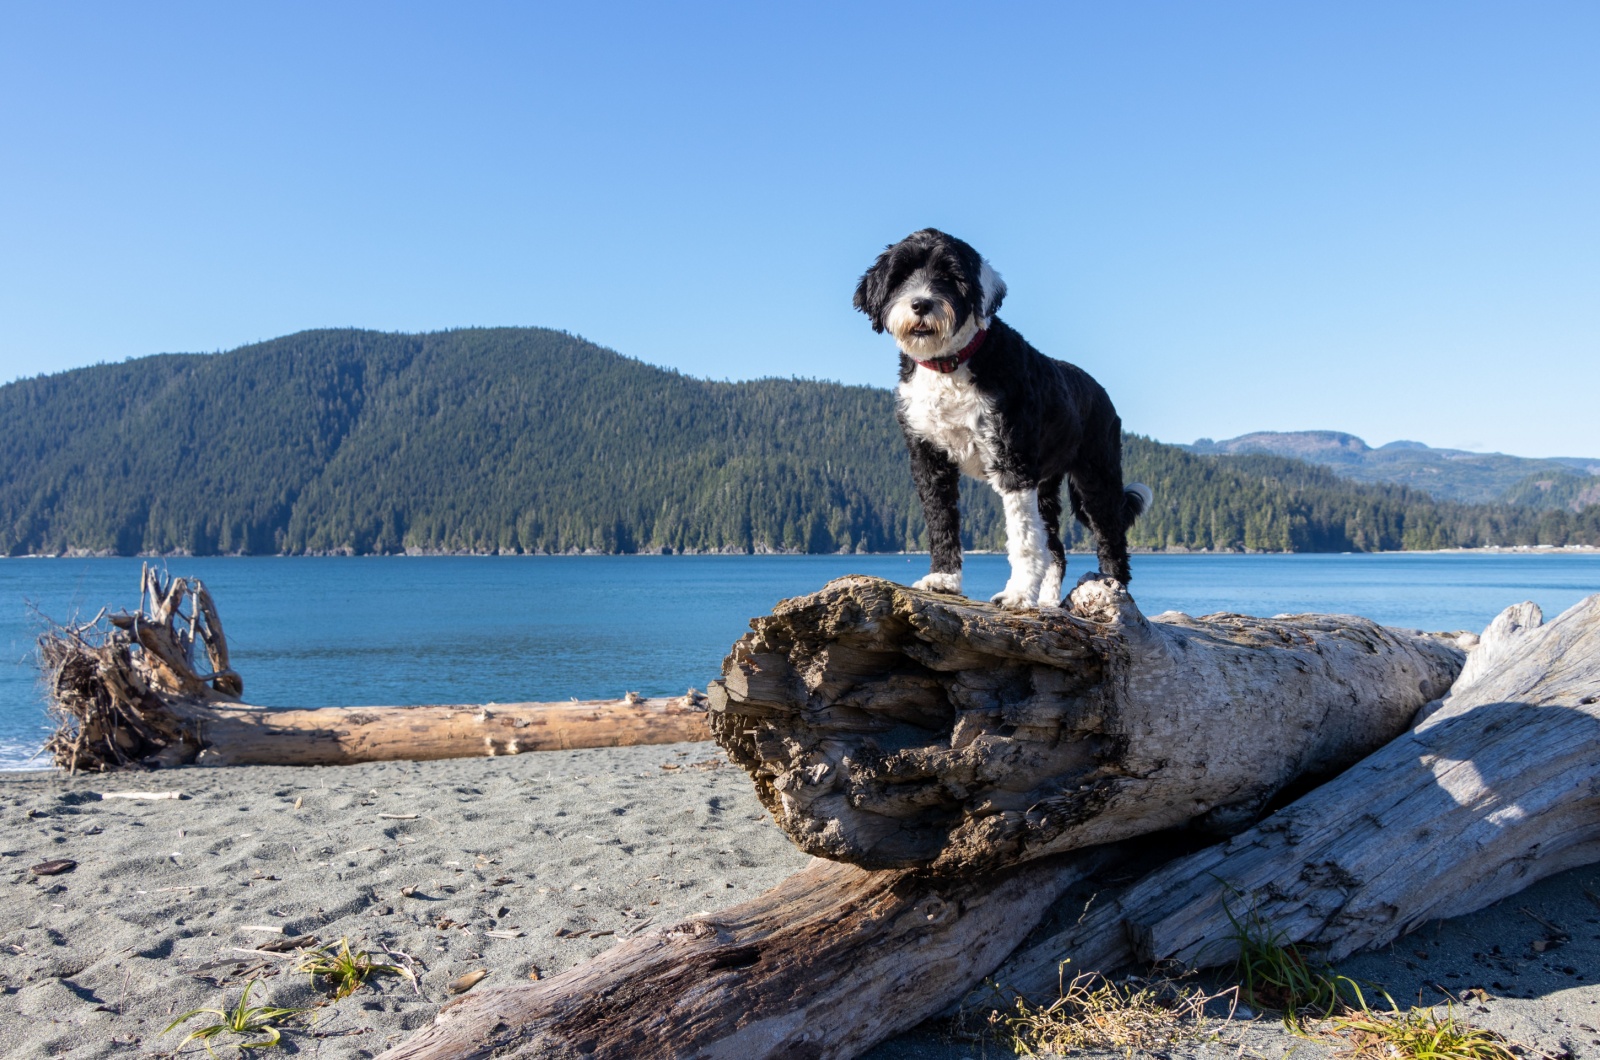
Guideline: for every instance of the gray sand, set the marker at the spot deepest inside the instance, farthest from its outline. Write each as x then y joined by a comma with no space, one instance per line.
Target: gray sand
572,850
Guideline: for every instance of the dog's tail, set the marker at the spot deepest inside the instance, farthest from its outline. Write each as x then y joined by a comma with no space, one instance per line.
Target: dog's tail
1136,500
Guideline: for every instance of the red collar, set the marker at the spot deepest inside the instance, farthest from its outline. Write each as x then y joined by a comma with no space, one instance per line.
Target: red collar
946,365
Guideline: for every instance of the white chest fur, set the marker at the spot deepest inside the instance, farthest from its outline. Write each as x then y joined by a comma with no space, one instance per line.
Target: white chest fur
948,411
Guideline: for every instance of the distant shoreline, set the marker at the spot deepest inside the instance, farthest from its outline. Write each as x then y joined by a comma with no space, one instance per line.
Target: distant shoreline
1486,550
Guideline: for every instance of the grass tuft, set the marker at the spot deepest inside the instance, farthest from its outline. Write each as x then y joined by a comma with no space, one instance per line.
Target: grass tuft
1416,1034
1277,975
244,1018
1095,1013
344,971
1274,974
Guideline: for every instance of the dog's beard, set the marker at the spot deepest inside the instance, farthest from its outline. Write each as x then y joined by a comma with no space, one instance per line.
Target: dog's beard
927,336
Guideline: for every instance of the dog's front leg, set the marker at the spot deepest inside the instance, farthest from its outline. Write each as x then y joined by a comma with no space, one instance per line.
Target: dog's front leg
939,487
1025,548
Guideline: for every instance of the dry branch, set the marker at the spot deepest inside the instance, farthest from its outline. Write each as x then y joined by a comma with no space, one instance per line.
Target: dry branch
893,728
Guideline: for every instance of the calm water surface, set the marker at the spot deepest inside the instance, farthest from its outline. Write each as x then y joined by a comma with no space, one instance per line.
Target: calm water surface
406,630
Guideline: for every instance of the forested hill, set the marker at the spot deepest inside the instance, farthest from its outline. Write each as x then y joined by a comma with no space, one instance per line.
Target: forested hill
525,439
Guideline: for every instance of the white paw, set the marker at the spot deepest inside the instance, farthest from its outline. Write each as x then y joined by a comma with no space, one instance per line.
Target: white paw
1016,599
1050,591
940,583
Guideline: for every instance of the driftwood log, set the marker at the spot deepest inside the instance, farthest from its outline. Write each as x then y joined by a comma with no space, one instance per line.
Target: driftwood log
1497,789
831,961
893,728
838,958
127,692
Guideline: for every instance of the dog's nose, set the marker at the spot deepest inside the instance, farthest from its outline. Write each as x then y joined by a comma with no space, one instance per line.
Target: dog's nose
921,306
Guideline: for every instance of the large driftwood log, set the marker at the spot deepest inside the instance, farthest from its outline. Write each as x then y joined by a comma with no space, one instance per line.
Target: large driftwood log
127,692
825,965
836,958
893,728
1496,790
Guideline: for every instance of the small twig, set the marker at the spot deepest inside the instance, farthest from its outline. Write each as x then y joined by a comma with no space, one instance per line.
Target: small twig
265,953
410,963
1536,918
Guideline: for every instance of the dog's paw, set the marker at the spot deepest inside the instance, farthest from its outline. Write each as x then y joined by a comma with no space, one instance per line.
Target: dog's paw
1050,591
1019,599
939,583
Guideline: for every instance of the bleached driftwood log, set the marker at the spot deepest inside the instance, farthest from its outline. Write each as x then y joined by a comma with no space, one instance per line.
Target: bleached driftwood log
1494,791
132,695
822,967
893,728
837,958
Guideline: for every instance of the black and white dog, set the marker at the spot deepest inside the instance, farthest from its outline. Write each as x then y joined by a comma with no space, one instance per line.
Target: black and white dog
974,396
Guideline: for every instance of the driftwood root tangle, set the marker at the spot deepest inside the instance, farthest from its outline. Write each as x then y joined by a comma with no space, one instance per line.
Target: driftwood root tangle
1496,790
107,678
890,727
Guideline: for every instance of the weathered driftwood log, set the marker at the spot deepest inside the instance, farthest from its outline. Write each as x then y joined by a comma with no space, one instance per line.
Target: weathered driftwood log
894,728
126,692
1497,789
825,965
836,958
223,734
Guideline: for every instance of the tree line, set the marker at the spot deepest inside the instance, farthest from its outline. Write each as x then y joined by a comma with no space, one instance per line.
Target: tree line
532,440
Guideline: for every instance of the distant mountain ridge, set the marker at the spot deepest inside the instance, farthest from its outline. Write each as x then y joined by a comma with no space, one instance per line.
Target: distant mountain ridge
528,440
1448,474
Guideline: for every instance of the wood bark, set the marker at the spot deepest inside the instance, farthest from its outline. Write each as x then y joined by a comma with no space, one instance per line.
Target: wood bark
127,692
894,728
831,961
1498,788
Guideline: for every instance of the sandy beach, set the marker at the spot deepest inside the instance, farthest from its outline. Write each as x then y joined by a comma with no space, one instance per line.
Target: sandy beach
518,866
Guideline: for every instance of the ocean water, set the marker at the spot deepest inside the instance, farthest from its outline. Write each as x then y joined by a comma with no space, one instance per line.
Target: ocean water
311,631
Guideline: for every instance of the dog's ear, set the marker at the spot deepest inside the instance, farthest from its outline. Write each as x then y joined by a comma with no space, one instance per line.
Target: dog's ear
872,293
992,287
966,268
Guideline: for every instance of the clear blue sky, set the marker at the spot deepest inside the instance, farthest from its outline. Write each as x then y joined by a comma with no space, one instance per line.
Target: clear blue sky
1375,217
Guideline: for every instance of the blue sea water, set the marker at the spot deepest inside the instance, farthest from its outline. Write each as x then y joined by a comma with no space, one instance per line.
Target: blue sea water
311,631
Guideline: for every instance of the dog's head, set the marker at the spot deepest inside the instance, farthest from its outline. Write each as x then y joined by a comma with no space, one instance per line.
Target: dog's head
931,291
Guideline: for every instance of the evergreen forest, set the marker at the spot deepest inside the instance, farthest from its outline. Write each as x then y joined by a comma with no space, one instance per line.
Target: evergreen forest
535,441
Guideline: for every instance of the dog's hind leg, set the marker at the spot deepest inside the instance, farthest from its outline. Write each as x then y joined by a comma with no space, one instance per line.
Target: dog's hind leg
1104,506
1050,509
939,488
